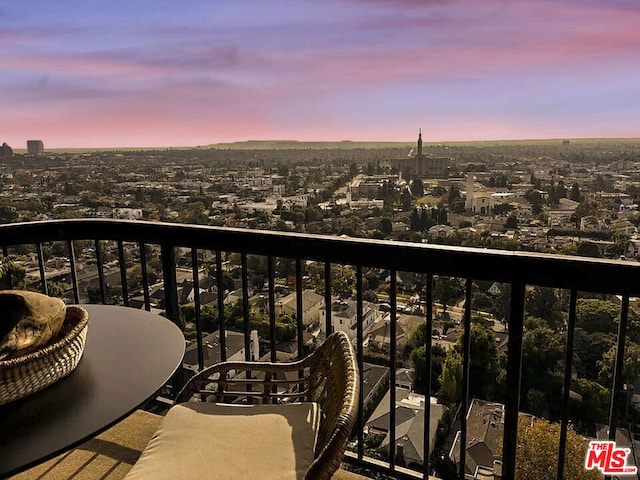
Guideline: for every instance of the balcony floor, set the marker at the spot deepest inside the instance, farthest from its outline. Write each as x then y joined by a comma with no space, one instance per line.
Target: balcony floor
111,454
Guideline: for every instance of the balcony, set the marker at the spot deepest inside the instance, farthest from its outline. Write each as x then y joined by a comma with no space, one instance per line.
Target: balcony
118,248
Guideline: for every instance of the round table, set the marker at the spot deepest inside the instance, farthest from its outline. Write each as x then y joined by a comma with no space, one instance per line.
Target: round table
129,355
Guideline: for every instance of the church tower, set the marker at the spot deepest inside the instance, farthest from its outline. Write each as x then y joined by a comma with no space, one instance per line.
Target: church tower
470,193
420,143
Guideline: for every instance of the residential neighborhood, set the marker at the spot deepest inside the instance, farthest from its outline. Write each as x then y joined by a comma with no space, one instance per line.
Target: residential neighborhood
563,197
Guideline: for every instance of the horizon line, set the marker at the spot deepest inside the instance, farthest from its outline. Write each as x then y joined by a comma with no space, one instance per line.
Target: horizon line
344,141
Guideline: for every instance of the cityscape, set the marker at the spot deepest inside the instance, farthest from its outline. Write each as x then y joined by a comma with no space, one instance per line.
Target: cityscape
565,197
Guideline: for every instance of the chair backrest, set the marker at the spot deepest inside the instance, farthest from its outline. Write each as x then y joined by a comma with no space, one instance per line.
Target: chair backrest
334,384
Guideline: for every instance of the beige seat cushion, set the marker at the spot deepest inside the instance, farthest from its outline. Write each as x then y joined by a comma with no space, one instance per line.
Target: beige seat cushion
220,441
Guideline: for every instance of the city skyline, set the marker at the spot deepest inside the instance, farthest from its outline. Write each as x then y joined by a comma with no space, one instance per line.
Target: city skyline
142,74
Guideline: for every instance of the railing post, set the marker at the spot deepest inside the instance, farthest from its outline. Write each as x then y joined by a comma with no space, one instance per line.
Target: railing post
327,297
100,267
567,384
168,257
514,370
299,309
170,283
43,276
360,355
221,317
272,308
429,366
617,374
145,279
196,306
245,308
74,273
123,274
466,363
392,367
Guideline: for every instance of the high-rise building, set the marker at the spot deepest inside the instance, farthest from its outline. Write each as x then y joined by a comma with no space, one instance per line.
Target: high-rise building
35,147
6,151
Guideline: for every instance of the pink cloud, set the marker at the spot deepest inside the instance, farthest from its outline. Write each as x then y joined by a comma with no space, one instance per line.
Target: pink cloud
336,70
85,65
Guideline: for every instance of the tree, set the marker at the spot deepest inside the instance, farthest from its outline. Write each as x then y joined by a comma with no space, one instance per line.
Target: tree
194,213
417,188
502,304
454,194
486,372
534,197
8,214
386,226
594,407
417,339
574,192
447,289
341,288
458,206
543,302
630,367
405,201
561,190
603,183
597,315
415,224
512,222
537,452
451,378
589,347
585,209
228,283
502,208
372,280
588,249
418,359
12,275
542,352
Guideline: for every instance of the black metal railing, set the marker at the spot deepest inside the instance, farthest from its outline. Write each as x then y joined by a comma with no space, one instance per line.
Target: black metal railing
517,269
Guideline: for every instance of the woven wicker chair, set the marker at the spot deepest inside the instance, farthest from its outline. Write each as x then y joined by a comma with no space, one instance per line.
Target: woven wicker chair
329,377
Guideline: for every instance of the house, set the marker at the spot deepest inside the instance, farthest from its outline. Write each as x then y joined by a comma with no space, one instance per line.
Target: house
186,293
373,378
622,226
567,204
233,297
234,343
633,248
560,218
156,297
485,428
344,318
404,280
380,336
404,378
287,351
410,419
311,305
441,231
590,223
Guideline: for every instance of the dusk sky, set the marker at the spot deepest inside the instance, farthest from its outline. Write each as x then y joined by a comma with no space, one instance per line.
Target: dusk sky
142,73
